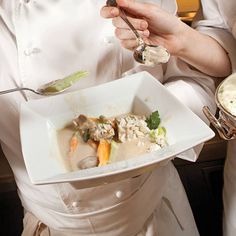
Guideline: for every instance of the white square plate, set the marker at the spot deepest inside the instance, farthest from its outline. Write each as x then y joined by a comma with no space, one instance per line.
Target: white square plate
139,93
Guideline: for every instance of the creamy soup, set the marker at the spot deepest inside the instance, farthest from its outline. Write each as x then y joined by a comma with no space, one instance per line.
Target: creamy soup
227,95
123,151
126,137
155,55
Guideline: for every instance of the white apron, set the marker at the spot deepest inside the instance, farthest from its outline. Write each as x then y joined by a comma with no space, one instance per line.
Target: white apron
43,40
219,21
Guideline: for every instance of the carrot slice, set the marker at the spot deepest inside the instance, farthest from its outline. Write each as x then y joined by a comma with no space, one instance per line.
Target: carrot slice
103,152
73,143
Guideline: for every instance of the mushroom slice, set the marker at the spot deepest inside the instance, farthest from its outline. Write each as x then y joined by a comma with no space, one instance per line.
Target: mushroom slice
88,162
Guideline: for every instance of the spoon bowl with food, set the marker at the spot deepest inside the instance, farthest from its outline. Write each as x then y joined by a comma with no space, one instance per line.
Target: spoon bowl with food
149,55
53,87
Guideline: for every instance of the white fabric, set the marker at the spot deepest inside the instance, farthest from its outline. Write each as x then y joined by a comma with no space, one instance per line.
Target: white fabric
220,23
43,40
217,18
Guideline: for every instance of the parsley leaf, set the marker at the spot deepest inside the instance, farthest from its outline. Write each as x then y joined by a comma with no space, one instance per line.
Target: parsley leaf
153,120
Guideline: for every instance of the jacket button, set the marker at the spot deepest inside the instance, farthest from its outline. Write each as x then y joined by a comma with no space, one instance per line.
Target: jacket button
31,51
119,194
75,204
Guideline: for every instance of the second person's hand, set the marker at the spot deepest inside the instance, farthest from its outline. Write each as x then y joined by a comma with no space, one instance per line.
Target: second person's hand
156,26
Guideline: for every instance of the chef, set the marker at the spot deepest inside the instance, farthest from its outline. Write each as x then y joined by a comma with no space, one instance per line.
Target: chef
220,23
43,40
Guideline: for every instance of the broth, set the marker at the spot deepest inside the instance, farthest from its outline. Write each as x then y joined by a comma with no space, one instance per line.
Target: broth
124,151
121,146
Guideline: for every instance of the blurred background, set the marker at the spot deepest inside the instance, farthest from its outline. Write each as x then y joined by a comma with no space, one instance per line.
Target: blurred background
187,10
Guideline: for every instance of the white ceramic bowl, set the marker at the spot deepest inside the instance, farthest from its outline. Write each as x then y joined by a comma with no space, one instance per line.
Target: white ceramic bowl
140,93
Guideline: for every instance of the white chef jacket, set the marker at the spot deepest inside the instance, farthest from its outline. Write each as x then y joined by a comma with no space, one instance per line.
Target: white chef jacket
218,19
43,40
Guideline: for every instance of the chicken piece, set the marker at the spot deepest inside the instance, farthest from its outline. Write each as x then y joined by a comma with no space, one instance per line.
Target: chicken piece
83,122
95,128
102,131
131,127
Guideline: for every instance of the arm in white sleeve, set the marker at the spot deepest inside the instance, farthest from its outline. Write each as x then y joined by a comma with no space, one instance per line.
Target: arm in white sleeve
212,20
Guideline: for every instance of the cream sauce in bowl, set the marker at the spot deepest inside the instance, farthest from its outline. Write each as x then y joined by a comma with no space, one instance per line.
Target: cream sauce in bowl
96,141
226,94
124,151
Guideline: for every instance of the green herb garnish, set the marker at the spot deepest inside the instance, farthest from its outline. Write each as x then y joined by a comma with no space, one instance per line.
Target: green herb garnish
153,120
162,131
86,135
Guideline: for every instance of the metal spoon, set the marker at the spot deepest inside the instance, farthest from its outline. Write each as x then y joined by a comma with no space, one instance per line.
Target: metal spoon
149,55
54,87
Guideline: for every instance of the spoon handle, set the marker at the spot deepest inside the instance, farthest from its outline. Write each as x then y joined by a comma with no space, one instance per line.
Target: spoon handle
17,89
112,3
125,19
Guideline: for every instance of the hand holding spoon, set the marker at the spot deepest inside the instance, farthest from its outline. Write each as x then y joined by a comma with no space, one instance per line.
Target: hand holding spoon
149,55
